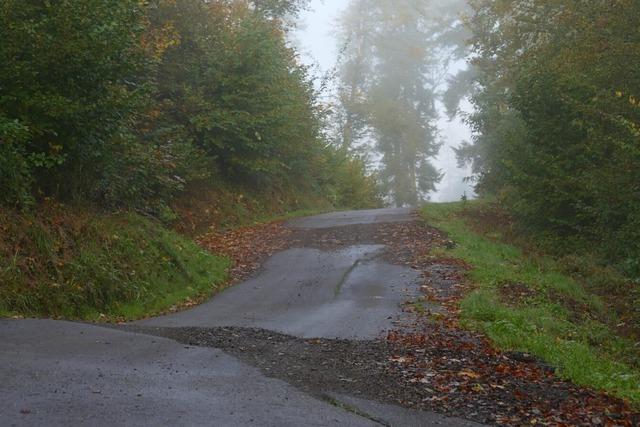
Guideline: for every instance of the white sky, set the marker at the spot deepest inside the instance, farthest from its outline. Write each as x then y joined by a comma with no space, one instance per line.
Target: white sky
318,46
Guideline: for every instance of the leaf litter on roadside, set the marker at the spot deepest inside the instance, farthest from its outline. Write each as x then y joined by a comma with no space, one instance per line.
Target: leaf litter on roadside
442,367
247,247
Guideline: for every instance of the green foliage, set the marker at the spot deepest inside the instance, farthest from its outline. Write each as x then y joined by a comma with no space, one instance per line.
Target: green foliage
124,105
280,8
70,78
148,176
348,184
15,171
558,118
557,319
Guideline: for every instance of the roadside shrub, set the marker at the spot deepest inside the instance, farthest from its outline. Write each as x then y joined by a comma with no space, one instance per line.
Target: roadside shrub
71,75
147,176
15,173
350,184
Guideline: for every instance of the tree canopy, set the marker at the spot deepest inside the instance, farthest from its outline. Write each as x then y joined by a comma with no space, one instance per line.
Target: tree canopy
124,104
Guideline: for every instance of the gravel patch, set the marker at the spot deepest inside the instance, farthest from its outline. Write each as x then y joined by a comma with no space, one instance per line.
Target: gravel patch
429,364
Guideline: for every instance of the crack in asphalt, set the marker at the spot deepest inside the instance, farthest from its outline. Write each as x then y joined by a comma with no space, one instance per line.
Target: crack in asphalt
350,270
356,411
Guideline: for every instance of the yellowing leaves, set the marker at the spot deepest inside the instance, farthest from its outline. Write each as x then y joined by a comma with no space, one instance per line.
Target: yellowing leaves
469,374
157,41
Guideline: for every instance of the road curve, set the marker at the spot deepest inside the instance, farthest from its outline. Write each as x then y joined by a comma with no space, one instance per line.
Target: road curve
351,293
58,373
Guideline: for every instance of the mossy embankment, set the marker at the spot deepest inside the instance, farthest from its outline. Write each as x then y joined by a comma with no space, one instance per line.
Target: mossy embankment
81,264
555,307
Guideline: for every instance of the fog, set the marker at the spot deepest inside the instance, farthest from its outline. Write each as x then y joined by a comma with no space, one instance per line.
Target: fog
316,40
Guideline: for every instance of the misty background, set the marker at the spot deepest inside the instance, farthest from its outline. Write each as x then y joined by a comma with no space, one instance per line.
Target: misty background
316,39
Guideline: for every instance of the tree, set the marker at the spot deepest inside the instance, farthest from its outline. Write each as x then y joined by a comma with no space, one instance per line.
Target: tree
280,9
393,57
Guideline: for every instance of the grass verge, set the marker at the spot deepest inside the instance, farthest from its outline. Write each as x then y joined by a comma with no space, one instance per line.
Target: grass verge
528,303
63,263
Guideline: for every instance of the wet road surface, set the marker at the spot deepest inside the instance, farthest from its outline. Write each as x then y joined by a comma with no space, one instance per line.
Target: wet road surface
62,373
69,374
310,293
338,219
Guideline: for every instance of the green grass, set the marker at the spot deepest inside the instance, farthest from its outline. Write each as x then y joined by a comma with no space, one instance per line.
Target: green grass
93,266
558,320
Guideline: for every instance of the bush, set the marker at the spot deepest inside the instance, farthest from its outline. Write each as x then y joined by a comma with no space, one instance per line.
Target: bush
70,75
15,173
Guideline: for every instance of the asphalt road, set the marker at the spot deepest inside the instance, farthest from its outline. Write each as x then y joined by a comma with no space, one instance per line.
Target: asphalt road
56,373
338,219
68,374
309,293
